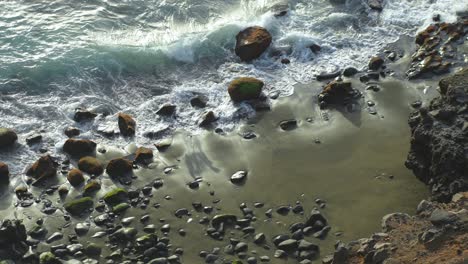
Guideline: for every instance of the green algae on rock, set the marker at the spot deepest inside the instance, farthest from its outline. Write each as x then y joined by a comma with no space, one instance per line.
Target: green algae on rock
245,88
116,196
79,206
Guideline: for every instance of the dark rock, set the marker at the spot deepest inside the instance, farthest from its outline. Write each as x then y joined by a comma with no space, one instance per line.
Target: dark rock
91,166
280,9
79,206
283,210
91,188
350,71
120,167
4,173
288,125
79,147
72,132
327,76
336,92
288,245
167,110
285,61
223,219
83,115
315,216
245,88
442,217
127,125
375,63
144,155
199,101
239,177
252,42
75,177
315,48
116,196
7,137
43,168
207,119
33,139
12,239
376,4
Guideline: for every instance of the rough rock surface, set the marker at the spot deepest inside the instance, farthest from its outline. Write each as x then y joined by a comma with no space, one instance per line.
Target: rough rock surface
4,173
7,137
252,42
127,125
12,239
79,147
43,168
439,143
245,88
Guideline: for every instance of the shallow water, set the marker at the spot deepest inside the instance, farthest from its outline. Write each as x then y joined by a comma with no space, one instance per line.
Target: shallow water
350,169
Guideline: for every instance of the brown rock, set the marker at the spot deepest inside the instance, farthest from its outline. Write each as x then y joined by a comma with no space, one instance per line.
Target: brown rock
79,147
4,173
375,63
207,118
119,167
7,137
91,166
75,177
167,110
252,42
72,132
43,168
143,155
336,92
245,88
83,115
127,125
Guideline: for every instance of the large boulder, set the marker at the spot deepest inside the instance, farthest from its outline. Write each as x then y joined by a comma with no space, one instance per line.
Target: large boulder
7,137
79,206
252,42
91,166
127,125
440,139
43,168
245,88
119,167
4,173
75,177
12,240
79,147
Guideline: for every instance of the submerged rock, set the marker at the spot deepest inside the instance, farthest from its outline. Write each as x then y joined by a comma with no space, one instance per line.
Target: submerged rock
83,115
245,88
43,168
119,167
7,137
252,42
4,173
79,147
79,206
92,187
72,132
127,125
116,196
144,155
75,177
91,166
199,101
167,110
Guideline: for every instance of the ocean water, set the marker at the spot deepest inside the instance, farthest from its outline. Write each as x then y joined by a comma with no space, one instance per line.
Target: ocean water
134,55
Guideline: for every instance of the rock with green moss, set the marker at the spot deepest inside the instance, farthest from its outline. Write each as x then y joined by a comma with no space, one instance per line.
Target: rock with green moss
48,258
79,206
245,88
92,250
116,196
91,188
120,208
91,166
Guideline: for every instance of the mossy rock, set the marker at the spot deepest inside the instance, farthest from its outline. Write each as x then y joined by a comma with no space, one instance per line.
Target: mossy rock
91,188
79,147
245,88
92,250
48,258
7,137
79,206
91,166
149,239
116,196
75,177
120,208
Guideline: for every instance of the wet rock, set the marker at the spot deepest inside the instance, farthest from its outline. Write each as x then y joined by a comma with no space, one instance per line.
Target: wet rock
4,173
424,206
79,206
252,42
143,155
245,88
120,167
285,61
259,238
54,237
239,177
350,71
280,9
199,101
288,125
43,168
280,254
12,239
91,188
207,119
288,245
72,132
120,208
79,147
315,48
179,213
314,217
392,221
336,92
91,166
116,196
48,258
340,256
327,76
75,177
82,229
223,219
33,139
376,4
167,110
83,115
442,217
7,137
375,63
127,125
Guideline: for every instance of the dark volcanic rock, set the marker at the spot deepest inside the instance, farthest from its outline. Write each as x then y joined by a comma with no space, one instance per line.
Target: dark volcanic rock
7,137
72,132
12,239
439,143
336,92
375,63
167,110
207,119
252,42
199,101
127,125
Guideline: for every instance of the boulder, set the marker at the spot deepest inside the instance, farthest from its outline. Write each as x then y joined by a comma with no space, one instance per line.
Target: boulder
252,42
144,155
127,125
245,88
239,177
199,101
375,63
79,147
91,166
119,167
75,177
79,206
12,240
83,115
336,92
167,110
116,196
43,168
4,173
91,188
7,137
71,132
33,138
207,118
